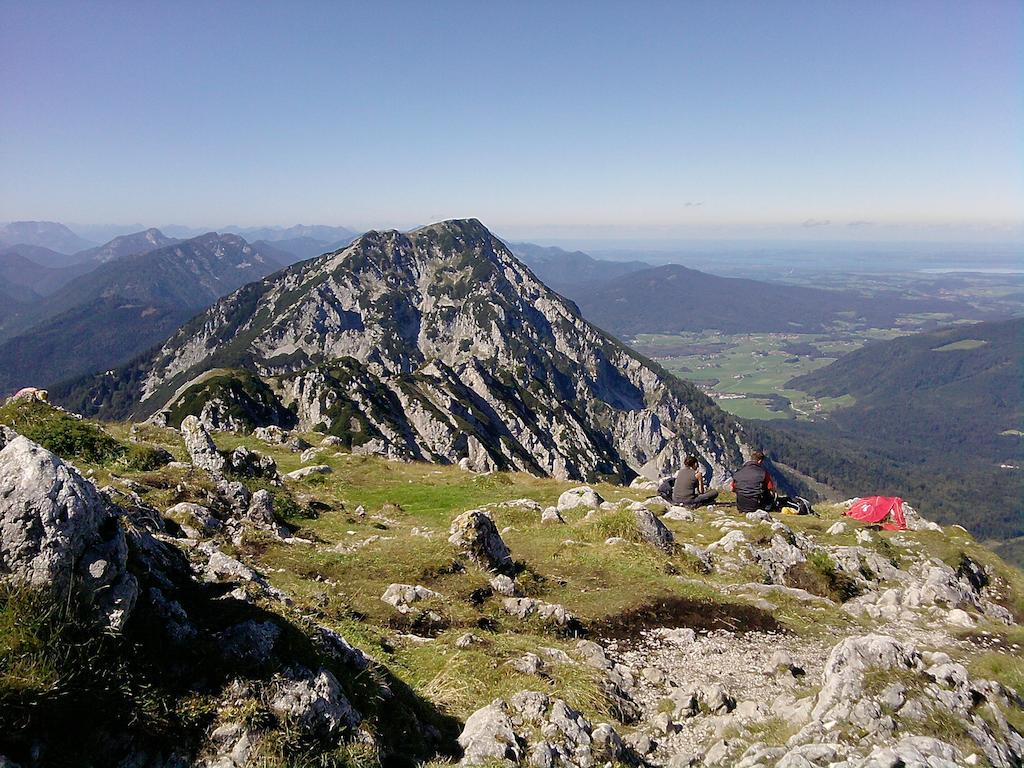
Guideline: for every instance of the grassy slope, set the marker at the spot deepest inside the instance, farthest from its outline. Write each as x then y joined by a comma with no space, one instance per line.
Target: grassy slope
410,506
339,576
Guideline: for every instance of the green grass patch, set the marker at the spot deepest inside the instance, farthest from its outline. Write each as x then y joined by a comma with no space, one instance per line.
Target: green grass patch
78,440
61,433
1006,668
774,731
819,576
750,408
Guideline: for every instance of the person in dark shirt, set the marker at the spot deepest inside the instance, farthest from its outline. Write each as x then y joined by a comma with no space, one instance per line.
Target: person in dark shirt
689,489
754,487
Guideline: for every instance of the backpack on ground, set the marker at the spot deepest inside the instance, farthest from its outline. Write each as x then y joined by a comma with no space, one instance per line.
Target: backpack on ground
666,486
797,505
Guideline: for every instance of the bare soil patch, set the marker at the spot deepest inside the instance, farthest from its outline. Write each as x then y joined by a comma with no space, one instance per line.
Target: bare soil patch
677,612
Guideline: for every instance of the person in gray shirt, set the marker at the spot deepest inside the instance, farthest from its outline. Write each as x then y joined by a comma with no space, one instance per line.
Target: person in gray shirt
689,489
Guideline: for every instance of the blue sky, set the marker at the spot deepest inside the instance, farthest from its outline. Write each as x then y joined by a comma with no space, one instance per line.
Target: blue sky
867,119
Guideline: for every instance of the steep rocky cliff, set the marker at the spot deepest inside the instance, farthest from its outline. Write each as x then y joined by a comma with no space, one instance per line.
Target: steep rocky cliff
435,344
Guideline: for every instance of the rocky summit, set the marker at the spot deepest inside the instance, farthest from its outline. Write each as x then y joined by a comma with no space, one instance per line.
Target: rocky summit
223,599
433,345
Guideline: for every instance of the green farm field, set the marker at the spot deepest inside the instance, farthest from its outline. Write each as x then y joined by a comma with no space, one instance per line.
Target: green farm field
747,373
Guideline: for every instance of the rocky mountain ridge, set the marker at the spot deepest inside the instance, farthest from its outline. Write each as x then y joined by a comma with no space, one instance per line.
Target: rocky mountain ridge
435,344
122,307
126,245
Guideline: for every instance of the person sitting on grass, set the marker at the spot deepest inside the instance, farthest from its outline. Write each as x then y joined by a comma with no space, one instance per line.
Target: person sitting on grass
755,488
689,489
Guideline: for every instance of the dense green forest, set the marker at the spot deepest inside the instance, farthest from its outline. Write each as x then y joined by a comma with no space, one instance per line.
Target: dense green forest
937,420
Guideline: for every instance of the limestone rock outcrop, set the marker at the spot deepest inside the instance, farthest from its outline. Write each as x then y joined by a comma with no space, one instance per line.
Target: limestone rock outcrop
653,531
535,729
58,533
584,496
474,534
200,446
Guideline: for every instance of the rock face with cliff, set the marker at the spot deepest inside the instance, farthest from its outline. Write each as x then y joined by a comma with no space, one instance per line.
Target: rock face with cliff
435,344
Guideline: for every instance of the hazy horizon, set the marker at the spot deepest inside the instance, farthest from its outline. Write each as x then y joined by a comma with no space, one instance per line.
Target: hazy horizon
602,246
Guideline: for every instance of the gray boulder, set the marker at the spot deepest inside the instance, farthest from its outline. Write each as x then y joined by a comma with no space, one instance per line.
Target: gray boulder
260,514
847,664
316,469
653,531
271,434
200,446
504,585
402,596
315,702
716,700
175,624
915,752
253,464
475,535
233,497
776,559
340,649
551,515
57,532
6,435
195,520
249,644
232,745
489,736
549,613
540,730
682,514
310,454
583,496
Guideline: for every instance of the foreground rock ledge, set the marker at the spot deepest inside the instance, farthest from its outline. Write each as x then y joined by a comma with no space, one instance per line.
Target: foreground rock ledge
57,533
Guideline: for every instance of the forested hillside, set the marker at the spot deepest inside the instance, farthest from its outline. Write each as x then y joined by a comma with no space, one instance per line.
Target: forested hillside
937,419
122,307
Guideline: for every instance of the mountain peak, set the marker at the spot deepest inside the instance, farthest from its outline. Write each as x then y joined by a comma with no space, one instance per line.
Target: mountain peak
47,234
470,226
126,245
436,344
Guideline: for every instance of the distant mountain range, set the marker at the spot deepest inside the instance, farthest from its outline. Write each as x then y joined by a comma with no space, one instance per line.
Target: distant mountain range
24,278
571,272
63,247
632,297
302,248
673,298
123,305
46,234
318,232
68,306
